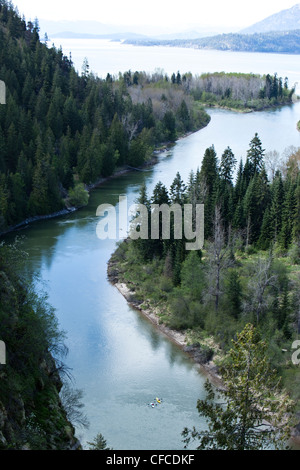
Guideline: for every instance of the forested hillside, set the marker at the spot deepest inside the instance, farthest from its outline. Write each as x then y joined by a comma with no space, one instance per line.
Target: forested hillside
31,413
59,129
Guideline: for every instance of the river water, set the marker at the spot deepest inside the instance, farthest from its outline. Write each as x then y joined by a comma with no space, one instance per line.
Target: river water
119,360
117,357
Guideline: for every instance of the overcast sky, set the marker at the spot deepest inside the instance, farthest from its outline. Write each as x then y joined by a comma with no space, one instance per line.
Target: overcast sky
172,13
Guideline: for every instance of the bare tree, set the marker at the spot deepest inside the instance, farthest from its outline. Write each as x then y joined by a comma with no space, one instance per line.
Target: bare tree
219,258
130,126
72,404
259,281
273,161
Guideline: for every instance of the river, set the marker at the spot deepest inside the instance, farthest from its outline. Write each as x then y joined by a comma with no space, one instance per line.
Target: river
119,360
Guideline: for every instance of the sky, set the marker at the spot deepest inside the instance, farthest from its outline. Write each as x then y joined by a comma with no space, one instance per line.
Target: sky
168,14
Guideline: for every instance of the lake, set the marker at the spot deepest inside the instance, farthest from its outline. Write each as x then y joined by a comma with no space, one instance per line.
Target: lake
106,56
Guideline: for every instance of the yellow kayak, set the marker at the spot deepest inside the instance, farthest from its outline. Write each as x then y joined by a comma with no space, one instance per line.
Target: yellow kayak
158,400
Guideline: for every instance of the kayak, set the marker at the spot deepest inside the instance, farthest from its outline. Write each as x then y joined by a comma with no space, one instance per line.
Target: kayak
156,401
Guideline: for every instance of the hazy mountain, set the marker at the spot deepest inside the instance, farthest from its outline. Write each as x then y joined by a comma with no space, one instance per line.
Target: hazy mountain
113,36
54,28
201,32
285,20
280,42
95,29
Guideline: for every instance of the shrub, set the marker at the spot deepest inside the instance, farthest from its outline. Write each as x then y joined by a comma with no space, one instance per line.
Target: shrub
78,196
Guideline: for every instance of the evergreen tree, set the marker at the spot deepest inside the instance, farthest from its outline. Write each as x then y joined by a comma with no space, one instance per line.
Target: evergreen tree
277,200
253,416
288,211
209,179
255,154
169,125
233,293
256,200
145,245
209,170
160,196
227,165
177,190
296,215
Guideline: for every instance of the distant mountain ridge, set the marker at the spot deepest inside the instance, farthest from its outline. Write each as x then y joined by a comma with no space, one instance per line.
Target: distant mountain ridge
284,20
95,30
112,36
280,42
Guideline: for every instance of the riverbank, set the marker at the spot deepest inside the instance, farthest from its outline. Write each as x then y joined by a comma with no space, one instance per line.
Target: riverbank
259,107
70,209
204,362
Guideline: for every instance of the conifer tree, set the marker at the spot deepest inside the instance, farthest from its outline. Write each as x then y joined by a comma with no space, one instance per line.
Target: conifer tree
177,190
233,292
160,196
209,179
145,245
276,207
296,216
227,165
255,154
288,211
255,414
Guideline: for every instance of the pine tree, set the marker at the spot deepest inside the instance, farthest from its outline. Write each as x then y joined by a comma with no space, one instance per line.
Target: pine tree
255,154
209,180
267,232
255,415
178,190
160,196
233,292
288,211
145,245
256,200
277,200
227,165
296,216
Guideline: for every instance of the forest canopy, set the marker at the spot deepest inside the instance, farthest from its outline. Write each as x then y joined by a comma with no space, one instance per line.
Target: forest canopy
60,129
248,269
